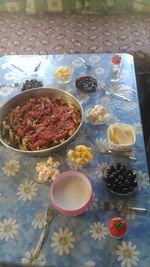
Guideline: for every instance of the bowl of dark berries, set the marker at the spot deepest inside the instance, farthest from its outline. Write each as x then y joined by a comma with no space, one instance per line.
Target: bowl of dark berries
30,84
120,180
86,83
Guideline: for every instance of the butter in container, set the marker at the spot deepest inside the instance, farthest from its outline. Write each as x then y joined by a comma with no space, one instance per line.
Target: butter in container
121,137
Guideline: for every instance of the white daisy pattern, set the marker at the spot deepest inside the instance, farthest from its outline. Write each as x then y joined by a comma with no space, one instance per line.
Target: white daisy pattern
27,190
39,73
94,59
102,144
142,180
60,57
129,106
99,70
127,254
105,101
8,228
124,74
63,241
29,260
138,127
82,74
5,65
89,263
127,212
121,89
98,231
39,221
101,169
6,90
11,167
84,98
10,75
77,63
72,165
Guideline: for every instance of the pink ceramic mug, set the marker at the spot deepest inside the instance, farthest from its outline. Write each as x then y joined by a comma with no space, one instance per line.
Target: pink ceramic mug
71,193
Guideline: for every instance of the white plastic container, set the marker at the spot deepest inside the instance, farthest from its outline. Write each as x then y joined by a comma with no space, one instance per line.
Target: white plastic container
126,134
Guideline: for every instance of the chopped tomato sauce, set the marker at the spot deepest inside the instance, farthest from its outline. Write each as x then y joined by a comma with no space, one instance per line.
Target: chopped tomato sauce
42,122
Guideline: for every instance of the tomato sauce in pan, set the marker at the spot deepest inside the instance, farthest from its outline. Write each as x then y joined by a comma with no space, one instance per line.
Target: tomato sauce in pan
40,123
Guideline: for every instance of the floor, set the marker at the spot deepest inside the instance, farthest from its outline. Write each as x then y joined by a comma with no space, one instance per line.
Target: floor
55,34
21,34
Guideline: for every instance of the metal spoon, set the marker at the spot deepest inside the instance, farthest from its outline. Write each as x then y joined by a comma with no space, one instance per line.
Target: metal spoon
38,66
84,61
118,152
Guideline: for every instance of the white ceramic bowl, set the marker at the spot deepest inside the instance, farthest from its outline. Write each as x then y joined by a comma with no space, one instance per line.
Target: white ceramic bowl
71,193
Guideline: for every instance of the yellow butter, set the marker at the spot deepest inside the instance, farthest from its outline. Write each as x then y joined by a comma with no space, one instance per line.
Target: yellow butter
121,134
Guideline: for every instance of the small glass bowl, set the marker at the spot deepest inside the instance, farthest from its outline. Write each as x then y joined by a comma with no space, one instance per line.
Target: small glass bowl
86,83
97,122
63,78
80,163
50,179
26,84
121,194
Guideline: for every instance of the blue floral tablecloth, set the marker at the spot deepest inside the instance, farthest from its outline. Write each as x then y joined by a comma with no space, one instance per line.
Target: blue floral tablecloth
83,240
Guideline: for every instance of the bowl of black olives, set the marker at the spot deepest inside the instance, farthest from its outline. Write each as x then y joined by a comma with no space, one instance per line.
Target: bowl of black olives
120,180
31,84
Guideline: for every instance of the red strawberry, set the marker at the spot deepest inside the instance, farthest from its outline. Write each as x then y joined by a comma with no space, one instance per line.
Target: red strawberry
117,227
116,59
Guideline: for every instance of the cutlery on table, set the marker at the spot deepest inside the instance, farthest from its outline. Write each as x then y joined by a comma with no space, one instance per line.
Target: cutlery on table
84,61
118,152
50,214
108,206
18,68
35,69
38,66
117,96
113,94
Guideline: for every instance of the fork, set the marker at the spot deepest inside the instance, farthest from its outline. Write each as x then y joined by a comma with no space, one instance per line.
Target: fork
119,152
119,207
84,61
50,214
117,96
103,86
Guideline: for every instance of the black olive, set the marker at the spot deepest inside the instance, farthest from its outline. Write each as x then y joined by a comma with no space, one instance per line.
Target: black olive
134,183
118,165
125,190
29,84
